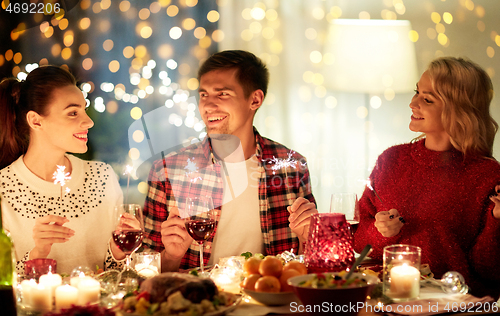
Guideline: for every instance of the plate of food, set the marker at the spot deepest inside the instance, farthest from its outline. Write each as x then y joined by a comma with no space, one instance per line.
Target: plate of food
178,293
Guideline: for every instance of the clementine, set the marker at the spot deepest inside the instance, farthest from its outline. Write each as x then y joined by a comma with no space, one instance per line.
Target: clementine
251,266
268,284
249,282
287,274
271,266
296,265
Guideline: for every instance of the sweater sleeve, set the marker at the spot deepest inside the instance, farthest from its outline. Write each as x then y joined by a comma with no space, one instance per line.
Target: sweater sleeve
369,206
485,254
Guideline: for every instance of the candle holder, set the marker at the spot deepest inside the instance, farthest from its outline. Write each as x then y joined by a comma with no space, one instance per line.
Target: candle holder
35,268
147,264
401,272
329,245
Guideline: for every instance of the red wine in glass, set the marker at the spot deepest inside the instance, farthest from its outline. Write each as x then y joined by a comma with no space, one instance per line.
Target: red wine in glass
200,221
200,230
128,241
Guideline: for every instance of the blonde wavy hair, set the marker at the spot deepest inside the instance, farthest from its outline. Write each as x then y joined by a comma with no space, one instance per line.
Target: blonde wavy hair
466,92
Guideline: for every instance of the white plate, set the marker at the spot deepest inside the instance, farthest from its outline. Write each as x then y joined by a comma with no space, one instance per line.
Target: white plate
272,299
220,312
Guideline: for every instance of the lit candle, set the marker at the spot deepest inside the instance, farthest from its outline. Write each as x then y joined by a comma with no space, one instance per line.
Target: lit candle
50,280
147,271
66,295
41,297
26,286
405,281
75,280
89,291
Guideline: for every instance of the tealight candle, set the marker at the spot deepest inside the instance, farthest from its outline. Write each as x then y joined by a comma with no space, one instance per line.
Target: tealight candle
405,281
41,297
147,271
89,291
26,286
66,295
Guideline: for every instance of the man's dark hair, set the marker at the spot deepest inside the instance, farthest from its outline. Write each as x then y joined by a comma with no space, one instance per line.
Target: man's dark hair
252,73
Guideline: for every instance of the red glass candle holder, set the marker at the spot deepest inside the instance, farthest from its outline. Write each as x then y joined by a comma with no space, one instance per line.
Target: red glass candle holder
329,245
34,268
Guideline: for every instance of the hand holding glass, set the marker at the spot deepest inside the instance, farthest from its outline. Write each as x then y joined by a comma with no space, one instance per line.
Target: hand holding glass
200,221
129,230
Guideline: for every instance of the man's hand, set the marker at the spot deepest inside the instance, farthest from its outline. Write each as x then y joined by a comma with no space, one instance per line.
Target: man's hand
174,237
300,215
388,223
47,231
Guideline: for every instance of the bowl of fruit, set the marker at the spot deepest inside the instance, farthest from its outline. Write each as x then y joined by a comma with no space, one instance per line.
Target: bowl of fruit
333,290
266,279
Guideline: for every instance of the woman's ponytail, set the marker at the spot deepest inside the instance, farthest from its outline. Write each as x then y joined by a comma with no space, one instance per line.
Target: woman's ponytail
11,144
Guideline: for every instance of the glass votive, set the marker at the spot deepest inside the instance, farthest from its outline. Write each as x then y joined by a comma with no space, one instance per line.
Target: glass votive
329,244
34,268
147,264
401,272
227,279
79,273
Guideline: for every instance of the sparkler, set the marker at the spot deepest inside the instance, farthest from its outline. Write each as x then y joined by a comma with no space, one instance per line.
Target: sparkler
128,171
369,185
60,176
283,164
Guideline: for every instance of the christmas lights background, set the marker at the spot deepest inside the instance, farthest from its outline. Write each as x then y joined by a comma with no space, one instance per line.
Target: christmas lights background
140,58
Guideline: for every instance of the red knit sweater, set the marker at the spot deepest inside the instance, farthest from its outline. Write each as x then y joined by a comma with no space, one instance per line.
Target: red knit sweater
444,200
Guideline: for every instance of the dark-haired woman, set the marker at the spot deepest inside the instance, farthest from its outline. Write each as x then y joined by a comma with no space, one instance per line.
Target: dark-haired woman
44,118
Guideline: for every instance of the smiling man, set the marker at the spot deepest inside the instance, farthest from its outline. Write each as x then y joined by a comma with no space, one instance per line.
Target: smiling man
261,208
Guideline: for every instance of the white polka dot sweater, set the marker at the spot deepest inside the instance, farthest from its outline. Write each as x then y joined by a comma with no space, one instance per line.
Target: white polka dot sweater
89,206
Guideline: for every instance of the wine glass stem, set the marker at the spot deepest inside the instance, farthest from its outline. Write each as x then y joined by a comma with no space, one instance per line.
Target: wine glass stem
127,263
201,257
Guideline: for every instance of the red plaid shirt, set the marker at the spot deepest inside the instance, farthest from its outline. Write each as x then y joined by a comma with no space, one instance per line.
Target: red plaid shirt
171,182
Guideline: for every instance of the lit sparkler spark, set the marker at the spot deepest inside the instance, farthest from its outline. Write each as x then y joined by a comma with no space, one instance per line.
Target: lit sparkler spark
191,169
280,163
369,185
67,190
60,176
283,164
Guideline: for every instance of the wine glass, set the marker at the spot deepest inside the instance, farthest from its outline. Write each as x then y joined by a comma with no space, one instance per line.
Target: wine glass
127,235
200,221
346,203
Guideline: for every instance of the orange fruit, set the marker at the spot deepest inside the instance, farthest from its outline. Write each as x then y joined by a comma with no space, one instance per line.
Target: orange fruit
268,283
249,282
287,274
295,265
251,266
271,266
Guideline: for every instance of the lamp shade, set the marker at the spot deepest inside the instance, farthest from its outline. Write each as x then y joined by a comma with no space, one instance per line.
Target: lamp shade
370,56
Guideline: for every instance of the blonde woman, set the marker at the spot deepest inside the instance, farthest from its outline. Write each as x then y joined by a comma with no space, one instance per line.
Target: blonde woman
439,191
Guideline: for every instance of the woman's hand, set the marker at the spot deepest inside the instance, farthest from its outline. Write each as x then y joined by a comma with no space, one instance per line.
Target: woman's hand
388,223
126,222
496,200
47,231
300,216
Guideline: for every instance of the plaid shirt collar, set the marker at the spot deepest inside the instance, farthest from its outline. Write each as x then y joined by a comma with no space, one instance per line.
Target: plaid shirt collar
208,151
